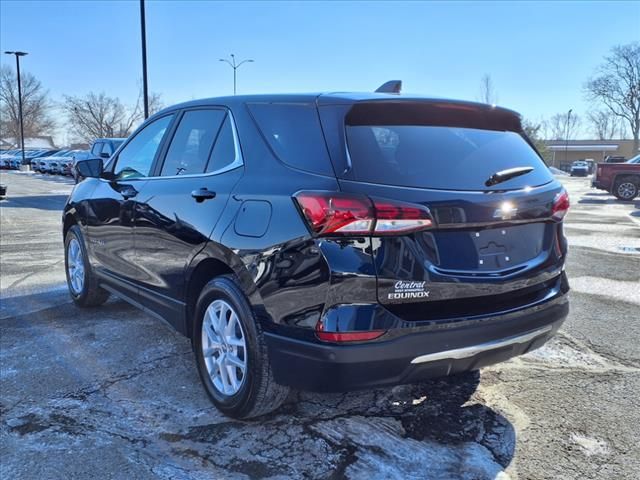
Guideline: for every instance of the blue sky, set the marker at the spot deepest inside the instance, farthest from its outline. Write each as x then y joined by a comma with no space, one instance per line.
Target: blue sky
538,54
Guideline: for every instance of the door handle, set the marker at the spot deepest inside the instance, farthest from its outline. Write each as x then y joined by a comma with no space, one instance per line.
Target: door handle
203,194
128,192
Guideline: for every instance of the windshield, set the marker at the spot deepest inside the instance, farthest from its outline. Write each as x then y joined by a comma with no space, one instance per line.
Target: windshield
635,159
448,158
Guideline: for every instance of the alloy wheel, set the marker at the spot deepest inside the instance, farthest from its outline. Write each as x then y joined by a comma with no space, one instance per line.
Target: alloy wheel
75,266
224,348
627,190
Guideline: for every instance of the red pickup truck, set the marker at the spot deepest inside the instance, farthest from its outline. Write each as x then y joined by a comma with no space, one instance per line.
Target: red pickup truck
620,179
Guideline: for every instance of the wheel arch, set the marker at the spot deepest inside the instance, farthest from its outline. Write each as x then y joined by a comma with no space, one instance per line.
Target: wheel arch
207,266
632,175
68,221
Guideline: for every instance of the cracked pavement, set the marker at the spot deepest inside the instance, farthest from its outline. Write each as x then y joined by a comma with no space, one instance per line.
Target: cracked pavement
113,392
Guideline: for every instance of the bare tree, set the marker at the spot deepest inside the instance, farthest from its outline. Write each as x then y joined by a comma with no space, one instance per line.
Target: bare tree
534,130
605,125
36,108
487,90
97,115
563,126
617,86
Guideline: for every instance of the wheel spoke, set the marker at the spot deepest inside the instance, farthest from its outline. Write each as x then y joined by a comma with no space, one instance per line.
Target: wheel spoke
224,374
231,325
235,361
235,342
232,374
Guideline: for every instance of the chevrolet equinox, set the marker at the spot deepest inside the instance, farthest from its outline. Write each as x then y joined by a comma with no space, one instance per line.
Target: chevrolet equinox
326,242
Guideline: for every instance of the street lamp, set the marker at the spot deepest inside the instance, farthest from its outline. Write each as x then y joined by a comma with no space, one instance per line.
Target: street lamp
235,67
145,85
566,141
18,55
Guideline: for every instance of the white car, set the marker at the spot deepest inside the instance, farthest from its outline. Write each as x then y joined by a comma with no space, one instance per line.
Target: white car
579,169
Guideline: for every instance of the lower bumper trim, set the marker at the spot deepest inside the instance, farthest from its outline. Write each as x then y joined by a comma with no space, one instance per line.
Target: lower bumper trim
467,352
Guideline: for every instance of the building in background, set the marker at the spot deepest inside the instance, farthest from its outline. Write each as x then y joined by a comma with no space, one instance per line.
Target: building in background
560,153
45,142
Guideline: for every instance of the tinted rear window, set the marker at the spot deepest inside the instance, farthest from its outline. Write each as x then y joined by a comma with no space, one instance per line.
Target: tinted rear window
440,157
293,132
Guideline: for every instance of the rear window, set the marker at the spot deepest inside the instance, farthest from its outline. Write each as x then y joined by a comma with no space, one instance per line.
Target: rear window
293,132
440,157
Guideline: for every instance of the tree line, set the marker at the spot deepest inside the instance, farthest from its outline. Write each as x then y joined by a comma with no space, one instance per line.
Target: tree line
90,116
613,92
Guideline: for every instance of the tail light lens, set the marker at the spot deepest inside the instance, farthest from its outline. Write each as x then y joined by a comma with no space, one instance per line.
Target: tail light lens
340,214
342,337
560,205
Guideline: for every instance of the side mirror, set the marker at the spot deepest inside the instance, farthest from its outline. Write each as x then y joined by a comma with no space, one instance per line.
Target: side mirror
91,167
105,155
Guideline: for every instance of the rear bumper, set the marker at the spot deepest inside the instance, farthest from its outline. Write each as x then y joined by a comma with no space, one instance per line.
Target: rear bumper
416,355
598,185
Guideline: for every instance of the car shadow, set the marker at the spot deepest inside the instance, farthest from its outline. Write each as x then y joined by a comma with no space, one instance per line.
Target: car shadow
430,427
40,202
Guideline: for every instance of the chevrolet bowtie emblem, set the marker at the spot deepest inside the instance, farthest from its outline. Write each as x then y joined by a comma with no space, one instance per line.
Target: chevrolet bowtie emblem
507,211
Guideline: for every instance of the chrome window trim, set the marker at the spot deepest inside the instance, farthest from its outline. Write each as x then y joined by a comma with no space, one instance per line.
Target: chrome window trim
238,161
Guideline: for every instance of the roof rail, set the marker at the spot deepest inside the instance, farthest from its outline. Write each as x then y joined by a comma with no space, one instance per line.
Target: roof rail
392,86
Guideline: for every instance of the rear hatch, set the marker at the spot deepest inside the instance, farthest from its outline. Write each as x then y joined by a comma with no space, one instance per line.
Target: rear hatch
489,241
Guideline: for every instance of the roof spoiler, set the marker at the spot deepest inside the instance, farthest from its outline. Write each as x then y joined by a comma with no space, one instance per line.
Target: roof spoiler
392,86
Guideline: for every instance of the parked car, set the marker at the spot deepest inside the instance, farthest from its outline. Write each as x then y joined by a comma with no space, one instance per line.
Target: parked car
326,242
105,147
43,163
17,160
56,162
579,168
614,159
5,158
65,166
619,179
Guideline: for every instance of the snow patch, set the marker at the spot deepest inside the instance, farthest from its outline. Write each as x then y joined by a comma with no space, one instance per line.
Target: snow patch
589,445
383,448
561,354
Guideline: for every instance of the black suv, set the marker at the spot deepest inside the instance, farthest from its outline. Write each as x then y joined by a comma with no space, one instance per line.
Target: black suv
326,242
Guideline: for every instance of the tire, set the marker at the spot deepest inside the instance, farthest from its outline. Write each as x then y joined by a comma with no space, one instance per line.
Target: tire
86,293
626,188
254,391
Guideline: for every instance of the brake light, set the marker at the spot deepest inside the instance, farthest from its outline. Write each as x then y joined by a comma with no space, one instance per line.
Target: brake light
560,205
334,213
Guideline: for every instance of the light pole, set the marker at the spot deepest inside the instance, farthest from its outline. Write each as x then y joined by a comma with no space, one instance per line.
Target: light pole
18,55
566,141
143,34
235,67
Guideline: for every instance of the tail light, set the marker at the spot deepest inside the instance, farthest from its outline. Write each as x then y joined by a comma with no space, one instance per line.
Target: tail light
560,205
342,337
341,214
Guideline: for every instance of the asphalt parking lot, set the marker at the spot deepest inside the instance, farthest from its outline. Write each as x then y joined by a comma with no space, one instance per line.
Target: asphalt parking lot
114,393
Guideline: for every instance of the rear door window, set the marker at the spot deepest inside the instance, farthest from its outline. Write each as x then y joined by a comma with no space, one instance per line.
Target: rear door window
106,148
293,132
449,158
224,152
96,149
193,142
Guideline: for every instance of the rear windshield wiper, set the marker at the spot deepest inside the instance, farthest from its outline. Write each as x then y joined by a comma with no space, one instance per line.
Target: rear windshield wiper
508,174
